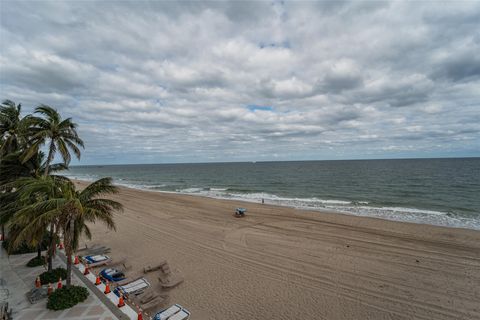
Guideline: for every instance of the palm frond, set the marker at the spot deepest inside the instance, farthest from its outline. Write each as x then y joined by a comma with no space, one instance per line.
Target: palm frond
74,148
62,147
49,112
100,187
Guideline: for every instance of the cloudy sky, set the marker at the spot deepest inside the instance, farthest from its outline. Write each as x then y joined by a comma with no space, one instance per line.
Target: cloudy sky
155,82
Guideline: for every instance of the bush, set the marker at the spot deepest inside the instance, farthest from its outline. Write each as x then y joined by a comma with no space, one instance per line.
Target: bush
67,297
20,249
35,262
24,247
53,276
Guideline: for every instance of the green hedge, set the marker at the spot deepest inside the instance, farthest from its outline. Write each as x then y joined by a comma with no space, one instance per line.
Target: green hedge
53,276
35,262
67,297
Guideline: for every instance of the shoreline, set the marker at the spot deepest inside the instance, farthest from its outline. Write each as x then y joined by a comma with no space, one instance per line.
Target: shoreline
322,214
279,262
316,209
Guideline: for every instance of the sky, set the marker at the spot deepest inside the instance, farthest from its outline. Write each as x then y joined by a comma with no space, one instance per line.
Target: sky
168,82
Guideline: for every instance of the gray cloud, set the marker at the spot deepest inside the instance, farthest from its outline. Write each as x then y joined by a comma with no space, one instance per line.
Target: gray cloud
157,81
463,67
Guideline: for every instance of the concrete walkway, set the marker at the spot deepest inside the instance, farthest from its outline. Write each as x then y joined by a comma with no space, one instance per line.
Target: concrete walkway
16,279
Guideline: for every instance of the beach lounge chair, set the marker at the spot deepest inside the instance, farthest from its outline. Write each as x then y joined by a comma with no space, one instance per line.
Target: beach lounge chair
96,260
159,266
149,295
103,250
96,249
149,301
175,312
167,313
170,281
152,304
127,281
86,247
181,315
135,287
146,297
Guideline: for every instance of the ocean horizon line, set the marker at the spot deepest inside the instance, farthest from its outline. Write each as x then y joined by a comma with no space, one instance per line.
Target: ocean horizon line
272,161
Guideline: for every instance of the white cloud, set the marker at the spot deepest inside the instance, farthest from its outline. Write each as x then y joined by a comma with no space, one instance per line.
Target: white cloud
201,81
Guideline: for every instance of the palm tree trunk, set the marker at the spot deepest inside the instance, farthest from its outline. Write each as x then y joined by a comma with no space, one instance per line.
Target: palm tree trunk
49,159
69,268
51,247
70,252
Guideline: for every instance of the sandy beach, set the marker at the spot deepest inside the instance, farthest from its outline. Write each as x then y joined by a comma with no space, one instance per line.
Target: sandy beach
282,263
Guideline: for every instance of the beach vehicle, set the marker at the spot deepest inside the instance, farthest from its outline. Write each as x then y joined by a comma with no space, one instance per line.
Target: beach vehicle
175,312
112,275
240,212
134,287
96,260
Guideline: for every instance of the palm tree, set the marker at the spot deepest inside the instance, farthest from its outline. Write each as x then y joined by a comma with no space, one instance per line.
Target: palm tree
11,126
67,208
60,135
14,131
11,170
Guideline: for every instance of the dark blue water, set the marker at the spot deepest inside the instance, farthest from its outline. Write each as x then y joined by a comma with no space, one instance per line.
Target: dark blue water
434,191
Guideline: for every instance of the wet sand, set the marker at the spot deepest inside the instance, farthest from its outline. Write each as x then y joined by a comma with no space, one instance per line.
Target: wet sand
282,263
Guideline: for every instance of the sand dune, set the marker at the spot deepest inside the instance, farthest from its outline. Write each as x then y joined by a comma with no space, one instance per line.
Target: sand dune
281,263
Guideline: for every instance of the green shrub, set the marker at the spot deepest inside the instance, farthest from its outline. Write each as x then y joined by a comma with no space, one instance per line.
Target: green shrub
35,262
67,297
20,249
24,247
53,276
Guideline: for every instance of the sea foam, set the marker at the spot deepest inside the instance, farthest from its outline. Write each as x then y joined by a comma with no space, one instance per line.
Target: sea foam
359,208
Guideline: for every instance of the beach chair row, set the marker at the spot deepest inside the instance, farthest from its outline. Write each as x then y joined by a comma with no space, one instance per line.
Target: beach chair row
135,289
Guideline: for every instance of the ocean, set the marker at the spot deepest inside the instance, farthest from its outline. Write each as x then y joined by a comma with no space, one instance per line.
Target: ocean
443,192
